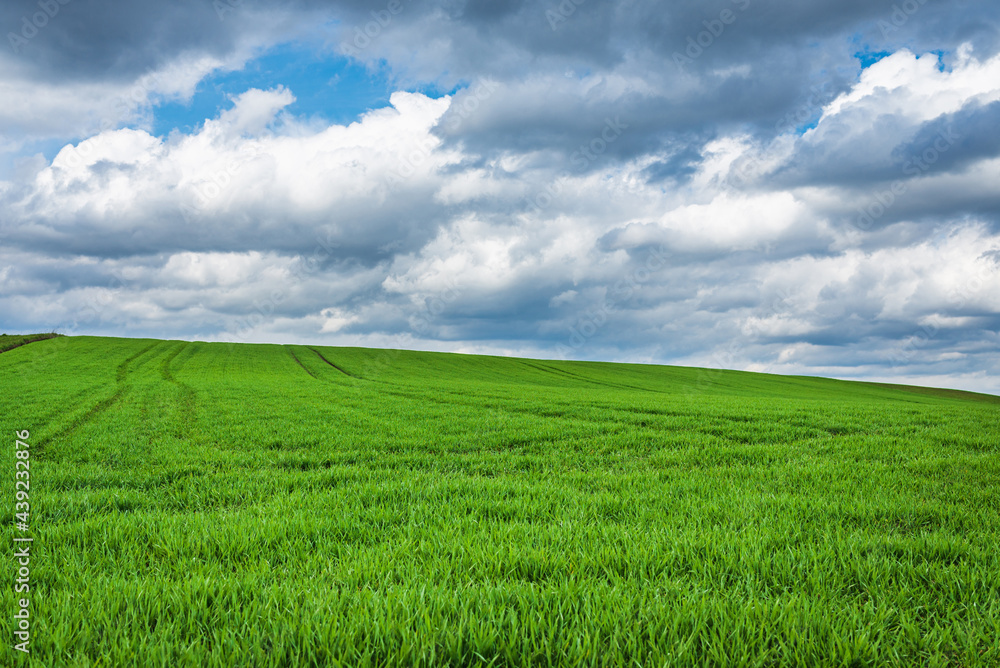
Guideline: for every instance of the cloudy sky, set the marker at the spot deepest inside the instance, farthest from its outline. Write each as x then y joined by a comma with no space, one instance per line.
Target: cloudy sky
772,185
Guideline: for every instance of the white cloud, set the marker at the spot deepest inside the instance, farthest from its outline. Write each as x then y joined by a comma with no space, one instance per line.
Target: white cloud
36,110
384,232
913,88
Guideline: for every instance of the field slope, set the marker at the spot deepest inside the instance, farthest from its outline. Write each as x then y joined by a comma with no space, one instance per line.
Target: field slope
197,504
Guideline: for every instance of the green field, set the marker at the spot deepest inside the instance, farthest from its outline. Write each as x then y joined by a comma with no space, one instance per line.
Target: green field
197,504
11,341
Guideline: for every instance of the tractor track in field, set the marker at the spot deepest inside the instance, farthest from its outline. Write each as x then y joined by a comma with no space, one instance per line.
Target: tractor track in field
299,362
461,399
346,373
574,376
188,402
121,382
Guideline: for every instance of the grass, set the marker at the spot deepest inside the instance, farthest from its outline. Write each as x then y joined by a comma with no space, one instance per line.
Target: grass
198,504
11,341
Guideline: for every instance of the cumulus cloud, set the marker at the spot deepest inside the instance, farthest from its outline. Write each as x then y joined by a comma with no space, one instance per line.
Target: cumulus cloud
766,204
247,180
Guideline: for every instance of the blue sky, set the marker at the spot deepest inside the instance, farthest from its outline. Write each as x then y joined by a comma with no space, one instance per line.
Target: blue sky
803,188
328,87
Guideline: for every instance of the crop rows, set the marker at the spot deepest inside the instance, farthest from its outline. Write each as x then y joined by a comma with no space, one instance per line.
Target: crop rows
211,504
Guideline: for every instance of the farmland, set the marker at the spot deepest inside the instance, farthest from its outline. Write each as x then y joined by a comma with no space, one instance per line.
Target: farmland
212,504
10,341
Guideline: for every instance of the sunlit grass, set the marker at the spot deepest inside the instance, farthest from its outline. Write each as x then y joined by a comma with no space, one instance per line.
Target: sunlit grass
215,504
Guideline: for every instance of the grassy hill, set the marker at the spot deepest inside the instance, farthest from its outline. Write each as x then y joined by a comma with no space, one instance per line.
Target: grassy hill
218,504
11,341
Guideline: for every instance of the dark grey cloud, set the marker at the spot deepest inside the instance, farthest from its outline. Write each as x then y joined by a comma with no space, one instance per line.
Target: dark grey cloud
953,141
752,74
112,40
679,165
748,68
893,149
527,214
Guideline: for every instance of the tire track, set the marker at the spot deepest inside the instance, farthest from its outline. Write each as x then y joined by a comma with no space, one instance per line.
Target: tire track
574,376
188,400
346,373
299,362
121,382
461,399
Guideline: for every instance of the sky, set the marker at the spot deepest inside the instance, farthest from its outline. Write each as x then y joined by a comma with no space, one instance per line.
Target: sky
769,185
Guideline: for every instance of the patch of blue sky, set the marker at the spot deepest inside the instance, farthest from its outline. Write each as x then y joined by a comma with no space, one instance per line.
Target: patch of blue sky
869,58
326,86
